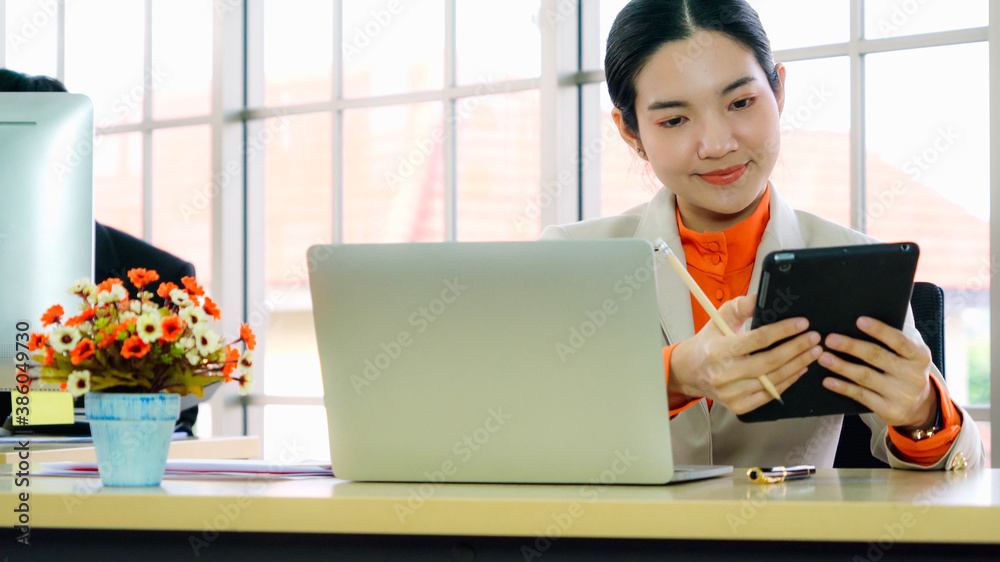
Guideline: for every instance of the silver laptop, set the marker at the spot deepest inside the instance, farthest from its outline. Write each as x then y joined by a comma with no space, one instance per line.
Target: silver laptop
504,362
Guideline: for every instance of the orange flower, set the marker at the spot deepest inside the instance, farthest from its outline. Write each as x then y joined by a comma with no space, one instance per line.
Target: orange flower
37,341
108,336
50,356
107,284
163,291
141,277
134,347
212,309
232,356
81,318
246,334
192,287
172,328
83,351
63,386
52,315
124,326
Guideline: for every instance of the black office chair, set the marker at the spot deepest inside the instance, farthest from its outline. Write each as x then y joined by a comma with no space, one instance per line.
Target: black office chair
927,303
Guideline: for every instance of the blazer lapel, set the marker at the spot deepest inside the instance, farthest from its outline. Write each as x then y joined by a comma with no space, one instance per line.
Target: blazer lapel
659,221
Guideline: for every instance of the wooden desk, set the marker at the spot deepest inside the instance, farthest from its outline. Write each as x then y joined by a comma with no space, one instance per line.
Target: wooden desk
194,448
836,515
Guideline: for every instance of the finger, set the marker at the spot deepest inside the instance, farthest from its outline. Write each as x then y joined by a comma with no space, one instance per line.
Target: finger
756,396
774,360
893,338
871,353
766,336
861,375
794,367
872,400
737,311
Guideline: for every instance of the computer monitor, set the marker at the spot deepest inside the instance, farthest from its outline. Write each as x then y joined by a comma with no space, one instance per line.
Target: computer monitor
46,211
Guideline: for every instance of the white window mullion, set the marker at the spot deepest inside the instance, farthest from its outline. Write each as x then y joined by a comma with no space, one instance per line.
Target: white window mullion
61,41
337,121
231,285
560,110
857,117
994,46
591,144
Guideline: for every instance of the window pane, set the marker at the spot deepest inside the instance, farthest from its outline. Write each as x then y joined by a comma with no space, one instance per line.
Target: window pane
626,179
928,180
893,18
104,57
182,188
30,43
394,174
298,213
118,182
482,25
393,46
499,167
813,172
294,434
182,58
298,51
609,10
790,24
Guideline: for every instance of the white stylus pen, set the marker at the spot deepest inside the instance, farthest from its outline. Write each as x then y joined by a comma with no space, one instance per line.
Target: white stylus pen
706,304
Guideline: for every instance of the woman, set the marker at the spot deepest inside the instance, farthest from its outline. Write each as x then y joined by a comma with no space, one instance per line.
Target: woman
698,96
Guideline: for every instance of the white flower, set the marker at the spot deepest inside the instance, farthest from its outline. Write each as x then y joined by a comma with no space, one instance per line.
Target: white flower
143,307
116,294
180,298
78,383
123,316
149,328
246,361
64,339
194,316
83,286
193,357
246,383
206,340
187,342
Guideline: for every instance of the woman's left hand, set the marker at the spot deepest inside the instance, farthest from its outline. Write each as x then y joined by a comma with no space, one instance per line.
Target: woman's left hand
902,393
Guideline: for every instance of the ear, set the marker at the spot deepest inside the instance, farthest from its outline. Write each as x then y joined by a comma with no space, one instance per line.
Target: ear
627,135
780,94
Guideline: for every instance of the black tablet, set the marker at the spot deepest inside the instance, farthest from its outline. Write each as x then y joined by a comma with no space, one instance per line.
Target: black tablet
831,287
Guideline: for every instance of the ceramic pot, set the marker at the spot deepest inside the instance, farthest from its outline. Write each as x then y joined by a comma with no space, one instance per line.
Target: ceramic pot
132,435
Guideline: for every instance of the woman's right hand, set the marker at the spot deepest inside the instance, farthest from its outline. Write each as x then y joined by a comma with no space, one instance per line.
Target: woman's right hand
725,368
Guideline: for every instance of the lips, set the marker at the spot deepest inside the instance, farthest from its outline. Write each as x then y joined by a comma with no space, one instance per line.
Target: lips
724,176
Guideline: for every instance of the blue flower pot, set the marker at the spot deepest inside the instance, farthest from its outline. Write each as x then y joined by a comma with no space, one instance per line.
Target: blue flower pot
132,435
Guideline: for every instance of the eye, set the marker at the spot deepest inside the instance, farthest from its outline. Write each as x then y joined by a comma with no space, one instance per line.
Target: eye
743,103
673,122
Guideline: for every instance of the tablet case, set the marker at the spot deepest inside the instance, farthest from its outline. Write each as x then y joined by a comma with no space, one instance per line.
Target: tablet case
831,287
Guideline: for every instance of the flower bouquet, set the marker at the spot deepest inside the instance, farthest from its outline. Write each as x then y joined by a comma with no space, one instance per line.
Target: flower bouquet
132,359
130,346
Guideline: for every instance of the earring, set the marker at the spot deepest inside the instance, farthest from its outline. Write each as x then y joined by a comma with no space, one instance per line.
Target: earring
641,153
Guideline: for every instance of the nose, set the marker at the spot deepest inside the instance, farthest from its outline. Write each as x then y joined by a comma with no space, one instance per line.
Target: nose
717,139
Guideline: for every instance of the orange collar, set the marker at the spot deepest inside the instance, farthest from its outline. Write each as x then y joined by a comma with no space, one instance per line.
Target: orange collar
730,250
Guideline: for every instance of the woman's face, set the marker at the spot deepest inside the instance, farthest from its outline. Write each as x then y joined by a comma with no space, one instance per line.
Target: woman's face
708,123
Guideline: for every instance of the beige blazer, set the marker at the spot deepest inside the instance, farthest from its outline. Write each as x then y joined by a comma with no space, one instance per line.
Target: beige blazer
700,436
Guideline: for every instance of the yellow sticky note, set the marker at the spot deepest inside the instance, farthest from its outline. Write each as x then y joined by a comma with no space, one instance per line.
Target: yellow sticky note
43,407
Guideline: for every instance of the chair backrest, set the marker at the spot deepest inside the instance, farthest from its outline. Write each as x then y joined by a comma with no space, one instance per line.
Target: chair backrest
927,304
